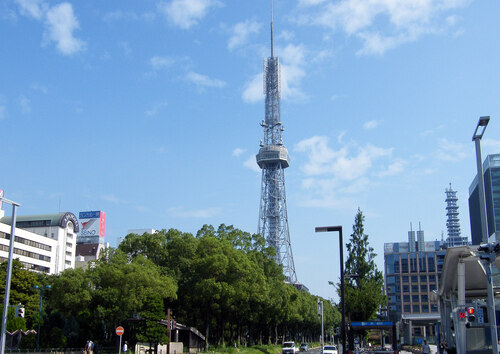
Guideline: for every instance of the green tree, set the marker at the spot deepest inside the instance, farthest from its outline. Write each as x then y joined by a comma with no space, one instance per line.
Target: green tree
364,293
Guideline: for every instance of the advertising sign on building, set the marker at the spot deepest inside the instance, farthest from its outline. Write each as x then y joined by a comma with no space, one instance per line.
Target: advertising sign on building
92,223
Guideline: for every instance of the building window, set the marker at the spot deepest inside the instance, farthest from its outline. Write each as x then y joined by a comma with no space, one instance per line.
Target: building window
405,279
423,287
27,242
414,288
416,308
68,262
423,278
406,288
406,298
414,279
430,261
407,308
404,265
25,253
414,298
69,245
69,253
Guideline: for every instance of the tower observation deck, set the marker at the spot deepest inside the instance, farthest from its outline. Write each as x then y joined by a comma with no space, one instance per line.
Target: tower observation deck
273,159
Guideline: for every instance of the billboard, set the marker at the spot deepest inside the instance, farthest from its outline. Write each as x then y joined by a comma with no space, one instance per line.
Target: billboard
92,223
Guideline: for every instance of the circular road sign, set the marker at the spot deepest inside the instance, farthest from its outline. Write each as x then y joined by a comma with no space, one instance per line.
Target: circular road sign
120,330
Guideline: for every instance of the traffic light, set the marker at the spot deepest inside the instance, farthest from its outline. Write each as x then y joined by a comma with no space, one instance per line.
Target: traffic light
471,314
20,312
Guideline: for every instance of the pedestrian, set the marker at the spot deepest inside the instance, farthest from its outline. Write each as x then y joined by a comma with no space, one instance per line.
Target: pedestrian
425,348
125,347
89,346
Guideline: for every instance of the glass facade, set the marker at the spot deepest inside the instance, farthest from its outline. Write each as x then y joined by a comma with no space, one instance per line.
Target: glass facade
411,277
491,170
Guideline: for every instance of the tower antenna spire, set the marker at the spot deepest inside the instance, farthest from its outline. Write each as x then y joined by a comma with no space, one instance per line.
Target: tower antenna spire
272,37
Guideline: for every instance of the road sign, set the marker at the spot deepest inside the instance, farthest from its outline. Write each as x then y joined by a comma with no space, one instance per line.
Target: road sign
120,330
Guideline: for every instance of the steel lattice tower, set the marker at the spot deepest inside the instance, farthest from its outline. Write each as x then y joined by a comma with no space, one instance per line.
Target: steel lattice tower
273,159
453,222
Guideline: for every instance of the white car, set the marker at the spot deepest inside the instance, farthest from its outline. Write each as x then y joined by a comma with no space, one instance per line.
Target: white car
330,349
289,348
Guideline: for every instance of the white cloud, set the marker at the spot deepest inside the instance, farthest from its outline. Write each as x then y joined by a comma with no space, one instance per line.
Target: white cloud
37,87
153,111
395,168
372,124
186,13
111,199
180,212
203,80
253,90
32,8
251,163
490,146
158,62
237,152
24,102
310,2
241,31
125,46
405,21
128,16
60,23
450,151
332,177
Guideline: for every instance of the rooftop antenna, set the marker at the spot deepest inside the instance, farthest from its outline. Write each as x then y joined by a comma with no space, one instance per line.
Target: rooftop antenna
272,40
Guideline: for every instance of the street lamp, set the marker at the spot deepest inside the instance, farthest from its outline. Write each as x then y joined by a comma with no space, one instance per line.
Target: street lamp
342,292
9,270
478,134
40,289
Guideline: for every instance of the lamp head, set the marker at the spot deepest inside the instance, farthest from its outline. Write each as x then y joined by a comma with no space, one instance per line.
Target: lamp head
481,126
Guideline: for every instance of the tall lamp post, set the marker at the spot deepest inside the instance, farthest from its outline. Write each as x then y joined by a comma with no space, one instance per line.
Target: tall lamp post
40,289
476,138
9,270
342,291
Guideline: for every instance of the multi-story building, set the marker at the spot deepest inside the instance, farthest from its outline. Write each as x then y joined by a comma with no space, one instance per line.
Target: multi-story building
44,243
491,170
412,271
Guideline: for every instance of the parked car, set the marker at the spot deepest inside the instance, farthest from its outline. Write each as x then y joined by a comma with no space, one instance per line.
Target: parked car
289,348
330,349
304,347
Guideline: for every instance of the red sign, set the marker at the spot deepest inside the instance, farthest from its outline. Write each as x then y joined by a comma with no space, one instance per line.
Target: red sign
120,330
461,315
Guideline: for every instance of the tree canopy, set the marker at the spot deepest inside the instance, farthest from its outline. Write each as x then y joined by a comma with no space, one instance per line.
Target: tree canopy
364,284
223,281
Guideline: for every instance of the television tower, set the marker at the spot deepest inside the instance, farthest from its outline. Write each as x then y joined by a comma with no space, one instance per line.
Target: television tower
273,159
453,222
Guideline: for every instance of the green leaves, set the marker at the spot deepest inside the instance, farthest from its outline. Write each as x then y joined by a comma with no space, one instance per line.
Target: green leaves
364,292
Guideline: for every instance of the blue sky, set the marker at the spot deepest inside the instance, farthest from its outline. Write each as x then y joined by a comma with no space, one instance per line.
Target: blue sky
150,111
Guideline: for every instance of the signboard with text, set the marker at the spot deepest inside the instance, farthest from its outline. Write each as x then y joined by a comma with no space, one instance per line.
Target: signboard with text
92,223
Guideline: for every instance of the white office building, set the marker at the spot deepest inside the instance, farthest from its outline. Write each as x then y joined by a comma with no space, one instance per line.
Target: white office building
43,243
